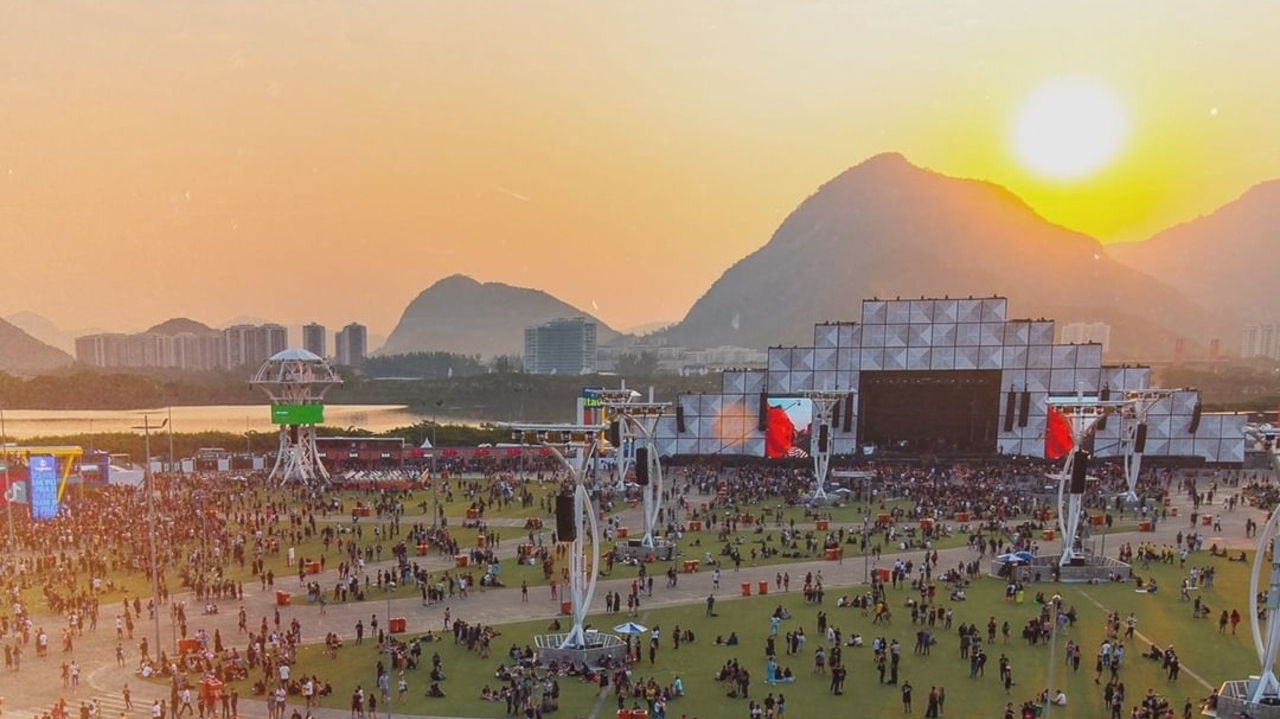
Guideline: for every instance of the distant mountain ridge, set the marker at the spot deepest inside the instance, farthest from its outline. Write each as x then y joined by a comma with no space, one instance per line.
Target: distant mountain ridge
888,228
22,354
178,325
1225,260
458,314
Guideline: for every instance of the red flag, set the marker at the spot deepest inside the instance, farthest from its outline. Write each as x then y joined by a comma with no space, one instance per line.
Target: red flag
779,433
1057,436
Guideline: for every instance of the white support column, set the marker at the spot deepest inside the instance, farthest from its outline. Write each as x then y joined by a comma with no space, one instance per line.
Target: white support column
1268,647
1083,414
1137,405
824,404
584,568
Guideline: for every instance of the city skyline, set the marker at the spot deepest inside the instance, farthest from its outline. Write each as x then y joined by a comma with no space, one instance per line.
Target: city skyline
329,162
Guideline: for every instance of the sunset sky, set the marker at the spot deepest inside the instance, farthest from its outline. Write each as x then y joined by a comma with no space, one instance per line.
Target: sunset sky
328,160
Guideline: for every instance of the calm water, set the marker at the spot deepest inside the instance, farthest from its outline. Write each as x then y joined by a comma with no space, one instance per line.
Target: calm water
21,424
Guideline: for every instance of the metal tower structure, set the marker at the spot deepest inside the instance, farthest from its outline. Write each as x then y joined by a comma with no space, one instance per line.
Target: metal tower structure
624,449
581,442
1133,432
637,422
296,381
1268,645
1083,413
824,405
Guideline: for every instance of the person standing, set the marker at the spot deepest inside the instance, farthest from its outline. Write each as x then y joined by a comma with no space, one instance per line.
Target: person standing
906,697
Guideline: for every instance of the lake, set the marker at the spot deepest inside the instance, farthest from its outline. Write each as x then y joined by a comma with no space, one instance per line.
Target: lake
26,423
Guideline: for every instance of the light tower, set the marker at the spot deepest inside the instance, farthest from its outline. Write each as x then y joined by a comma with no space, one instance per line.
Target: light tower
1133,431
824,405
637,422
296,381
575,447
1082,413
1267,689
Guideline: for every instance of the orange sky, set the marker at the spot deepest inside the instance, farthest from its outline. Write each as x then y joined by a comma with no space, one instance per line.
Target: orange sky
328,160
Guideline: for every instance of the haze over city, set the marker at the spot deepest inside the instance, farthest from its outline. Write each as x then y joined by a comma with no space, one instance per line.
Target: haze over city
328,161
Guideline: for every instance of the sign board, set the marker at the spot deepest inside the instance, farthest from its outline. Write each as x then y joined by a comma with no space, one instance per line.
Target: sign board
43,472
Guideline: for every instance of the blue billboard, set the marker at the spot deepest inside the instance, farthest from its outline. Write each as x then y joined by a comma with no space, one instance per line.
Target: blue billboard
43,471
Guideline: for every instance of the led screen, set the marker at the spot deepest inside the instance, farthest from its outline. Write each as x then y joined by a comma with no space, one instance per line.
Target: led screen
43,473
297,414
787,424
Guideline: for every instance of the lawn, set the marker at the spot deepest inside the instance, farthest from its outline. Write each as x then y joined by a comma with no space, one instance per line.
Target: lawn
1161,617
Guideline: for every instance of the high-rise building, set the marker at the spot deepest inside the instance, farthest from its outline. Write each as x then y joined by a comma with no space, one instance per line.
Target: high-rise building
235,346
1083,333
561,346
315,339
1260,341
351,345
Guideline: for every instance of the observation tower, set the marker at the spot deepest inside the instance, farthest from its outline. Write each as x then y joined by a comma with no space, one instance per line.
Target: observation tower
296,380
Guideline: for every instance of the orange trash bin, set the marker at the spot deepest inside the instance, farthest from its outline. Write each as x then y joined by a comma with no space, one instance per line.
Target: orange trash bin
762,587
566,607
746,589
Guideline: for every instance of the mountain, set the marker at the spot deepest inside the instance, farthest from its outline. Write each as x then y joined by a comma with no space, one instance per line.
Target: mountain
458,314
1223,260
887,228
648,328
20,353
178,325
47,331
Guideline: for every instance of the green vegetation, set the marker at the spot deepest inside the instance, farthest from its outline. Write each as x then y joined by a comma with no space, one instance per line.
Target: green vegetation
499,395
1162,618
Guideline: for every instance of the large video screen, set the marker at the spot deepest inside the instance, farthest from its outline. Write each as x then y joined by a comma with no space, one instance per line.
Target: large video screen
297,414
787,427
930,411
43,471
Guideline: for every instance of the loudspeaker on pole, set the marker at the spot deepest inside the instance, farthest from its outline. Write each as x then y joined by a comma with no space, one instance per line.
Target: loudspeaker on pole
1079,471
566,525
642,466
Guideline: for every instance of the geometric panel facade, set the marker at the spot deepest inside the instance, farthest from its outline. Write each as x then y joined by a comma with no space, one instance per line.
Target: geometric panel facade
939,336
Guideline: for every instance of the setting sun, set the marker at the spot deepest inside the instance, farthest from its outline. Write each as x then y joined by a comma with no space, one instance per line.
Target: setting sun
1069,129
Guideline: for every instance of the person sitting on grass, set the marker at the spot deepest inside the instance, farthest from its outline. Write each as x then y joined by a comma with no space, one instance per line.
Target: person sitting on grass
435,692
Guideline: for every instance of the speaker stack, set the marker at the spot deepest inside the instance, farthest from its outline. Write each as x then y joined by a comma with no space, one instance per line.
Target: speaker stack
566,526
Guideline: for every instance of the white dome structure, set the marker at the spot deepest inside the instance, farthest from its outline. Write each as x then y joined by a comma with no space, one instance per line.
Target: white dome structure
296,381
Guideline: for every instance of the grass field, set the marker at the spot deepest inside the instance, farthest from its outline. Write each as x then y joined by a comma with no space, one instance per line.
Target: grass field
1162,617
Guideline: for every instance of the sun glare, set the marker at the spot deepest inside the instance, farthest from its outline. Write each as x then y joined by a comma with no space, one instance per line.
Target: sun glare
1069,129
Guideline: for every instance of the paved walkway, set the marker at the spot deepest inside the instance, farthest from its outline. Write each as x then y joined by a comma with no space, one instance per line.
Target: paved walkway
37,686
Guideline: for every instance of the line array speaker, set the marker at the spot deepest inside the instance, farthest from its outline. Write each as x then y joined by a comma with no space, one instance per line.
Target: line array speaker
679,415
1024,408
835,417
566,527
1140,439
848,413
1079,471
762,420
615,433
823,438
642,466
1010,406
1195,418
